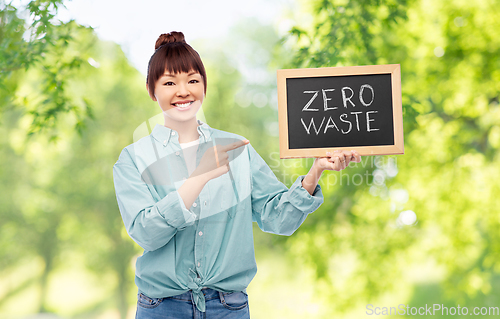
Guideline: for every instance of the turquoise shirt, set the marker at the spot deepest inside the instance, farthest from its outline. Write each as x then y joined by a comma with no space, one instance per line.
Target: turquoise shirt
209,244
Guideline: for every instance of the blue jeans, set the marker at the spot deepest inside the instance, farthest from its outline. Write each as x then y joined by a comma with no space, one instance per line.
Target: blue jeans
218,304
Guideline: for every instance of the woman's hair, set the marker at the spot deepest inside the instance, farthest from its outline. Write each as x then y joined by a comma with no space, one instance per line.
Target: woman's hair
174,55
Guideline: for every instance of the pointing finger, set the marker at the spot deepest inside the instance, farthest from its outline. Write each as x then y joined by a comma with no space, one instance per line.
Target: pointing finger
234,145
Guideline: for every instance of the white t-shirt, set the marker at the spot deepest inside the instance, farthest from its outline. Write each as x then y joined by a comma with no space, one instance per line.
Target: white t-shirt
189,149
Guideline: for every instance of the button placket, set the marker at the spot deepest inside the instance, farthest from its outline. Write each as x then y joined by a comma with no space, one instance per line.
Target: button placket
199,246
199,253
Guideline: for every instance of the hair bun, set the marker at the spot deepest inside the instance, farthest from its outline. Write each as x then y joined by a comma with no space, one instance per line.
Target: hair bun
171,37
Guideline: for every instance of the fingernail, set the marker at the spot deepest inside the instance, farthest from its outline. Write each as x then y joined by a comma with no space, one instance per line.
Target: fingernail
328,153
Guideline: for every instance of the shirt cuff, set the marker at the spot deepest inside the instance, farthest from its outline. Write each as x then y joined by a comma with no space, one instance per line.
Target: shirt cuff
300,198
175,213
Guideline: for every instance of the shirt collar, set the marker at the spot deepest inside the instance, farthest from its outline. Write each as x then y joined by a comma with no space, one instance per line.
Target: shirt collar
163,134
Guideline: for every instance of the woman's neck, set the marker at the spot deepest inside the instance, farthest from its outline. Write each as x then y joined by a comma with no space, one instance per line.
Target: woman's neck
188,131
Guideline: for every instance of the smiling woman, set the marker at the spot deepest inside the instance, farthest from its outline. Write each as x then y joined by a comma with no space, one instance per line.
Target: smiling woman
188,195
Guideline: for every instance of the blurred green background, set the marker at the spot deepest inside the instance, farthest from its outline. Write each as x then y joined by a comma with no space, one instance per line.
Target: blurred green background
69,103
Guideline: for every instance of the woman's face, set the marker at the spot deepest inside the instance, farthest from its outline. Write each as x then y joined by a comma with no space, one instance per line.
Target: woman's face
180,95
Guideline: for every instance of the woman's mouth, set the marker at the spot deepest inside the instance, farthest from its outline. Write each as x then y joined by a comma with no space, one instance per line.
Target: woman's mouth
183,106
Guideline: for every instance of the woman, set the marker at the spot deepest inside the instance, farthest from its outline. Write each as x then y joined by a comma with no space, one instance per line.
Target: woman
188,195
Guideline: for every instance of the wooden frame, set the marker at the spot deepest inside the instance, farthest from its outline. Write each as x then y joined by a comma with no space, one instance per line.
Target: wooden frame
393,69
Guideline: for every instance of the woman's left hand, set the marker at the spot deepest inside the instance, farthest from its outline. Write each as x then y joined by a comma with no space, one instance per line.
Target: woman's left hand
337,161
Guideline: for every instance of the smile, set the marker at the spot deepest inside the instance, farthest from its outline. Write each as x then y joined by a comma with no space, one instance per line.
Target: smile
183,106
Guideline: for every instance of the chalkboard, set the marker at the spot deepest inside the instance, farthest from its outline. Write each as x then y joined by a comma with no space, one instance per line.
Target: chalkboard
351,108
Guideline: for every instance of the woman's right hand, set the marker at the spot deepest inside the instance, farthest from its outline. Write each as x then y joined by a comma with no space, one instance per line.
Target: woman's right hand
215,161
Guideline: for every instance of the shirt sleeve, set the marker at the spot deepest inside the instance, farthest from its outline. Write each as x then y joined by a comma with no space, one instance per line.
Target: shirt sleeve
275,208
151,223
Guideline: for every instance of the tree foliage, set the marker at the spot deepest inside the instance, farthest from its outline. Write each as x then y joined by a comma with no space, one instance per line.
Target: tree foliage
58,201
448,51
32,39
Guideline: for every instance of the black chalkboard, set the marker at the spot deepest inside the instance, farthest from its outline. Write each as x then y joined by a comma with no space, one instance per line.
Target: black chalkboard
360,108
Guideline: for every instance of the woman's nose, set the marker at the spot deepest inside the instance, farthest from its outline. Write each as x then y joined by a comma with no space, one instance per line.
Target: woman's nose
182,90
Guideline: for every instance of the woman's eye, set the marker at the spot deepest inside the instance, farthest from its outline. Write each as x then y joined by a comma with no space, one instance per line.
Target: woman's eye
169,83
194,81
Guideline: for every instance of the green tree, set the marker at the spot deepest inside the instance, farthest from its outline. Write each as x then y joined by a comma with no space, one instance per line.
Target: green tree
448,51
32,39
62,191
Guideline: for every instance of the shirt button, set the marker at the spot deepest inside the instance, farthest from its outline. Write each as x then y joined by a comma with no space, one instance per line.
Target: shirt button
199,264
194,204
165,143
173,133
205,203
200,233
177,153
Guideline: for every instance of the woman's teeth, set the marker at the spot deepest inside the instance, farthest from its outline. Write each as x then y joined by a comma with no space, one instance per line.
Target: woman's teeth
183,105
